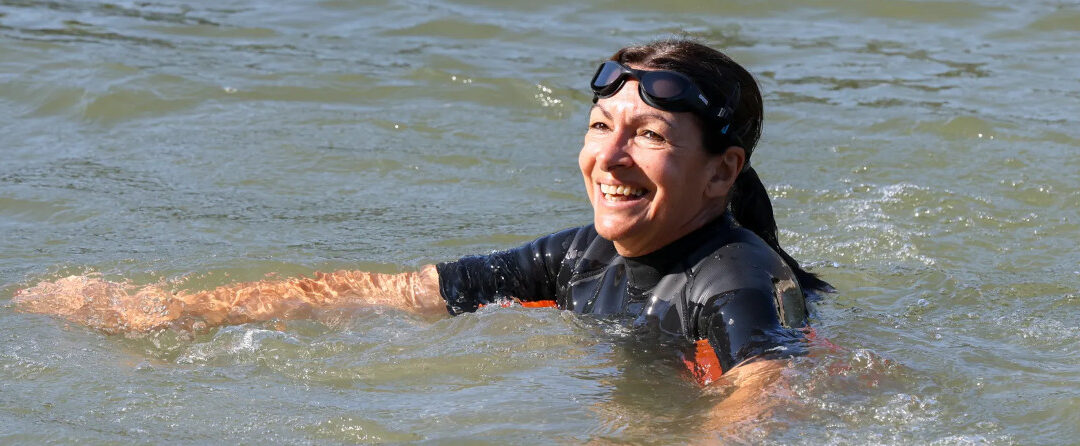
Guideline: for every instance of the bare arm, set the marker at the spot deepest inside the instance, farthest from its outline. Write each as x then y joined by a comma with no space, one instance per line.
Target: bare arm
754,390
116,307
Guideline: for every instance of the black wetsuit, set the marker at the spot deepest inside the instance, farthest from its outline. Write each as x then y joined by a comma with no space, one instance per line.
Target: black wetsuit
721,283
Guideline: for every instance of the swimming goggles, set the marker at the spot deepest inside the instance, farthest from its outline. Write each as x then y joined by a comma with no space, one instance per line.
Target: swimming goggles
666,90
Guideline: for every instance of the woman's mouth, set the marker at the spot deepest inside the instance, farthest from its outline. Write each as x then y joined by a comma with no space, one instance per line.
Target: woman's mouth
620,193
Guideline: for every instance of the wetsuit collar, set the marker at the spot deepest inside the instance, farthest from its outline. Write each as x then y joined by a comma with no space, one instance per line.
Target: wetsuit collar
646,270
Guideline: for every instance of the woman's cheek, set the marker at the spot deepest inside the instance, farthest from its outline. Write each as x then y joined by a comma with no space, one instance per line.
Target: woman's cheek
585,163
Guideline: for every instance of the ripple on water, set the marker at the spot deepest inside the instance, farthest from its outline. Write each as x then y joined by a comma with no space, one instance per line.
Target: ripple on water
914,10
1062,20
871,231
203,31
389,351
888,402
121,104
113,93
16,367
960,127
1048,334
29,211
451,28
357,429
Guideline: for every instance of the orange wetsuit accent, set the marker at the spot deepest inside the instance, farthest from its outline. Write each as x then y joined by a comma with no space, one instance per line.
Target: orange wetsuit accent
703,363
813,338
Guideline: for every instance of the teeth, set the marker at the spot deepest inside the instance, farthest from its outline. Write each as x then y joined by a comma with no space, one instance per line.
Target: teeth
625,191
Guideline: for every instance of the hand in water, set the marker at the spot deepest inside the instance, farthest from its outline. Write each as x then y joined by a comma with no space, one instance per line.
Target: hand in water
97,303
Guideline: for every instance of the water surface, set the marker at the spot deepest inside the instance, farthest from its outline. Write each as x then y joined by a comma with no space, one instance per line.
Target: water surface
920,155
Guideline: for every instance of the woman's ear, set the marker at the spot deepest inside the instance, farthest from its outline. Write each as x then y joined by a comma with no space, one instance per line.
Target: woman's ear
724,169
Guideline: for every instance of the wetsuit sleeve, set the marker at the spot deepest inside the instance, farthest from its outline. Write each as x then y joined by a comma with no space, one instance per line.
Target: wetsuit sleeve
528,272
743,323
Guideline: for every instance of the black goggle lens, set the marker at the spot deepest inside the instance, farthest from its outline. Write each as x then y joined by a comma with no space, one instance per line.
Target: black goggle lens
607,77
663,85
659,85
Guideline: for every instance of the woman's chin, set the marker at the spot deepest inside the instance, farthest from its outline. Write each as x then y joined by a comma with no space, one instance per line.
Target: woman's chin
614,229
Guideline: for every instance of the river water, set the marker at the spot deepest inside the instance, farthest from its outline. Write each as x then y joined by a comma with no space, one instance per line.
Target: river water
918,153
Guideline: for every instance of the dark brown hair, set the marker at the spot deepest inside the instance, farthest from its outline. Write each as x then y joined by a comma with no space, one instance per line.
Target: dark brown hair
718,76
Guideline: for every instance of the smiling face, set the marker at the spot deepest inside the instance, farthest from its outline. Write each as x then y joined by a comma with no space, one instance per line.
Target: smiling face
649,179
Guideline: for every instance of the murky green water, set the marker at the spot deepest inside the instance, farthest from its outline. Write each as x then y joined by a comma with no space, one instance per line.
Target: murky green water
921,155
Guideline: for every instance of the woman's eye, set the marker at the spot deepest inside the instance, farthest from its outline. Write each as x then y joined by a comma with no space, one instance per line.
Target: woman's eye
598,126
651,135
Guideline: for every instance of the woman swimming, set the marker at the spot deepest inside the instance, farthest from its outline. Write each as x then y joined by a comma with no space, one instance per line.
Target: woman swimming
683,242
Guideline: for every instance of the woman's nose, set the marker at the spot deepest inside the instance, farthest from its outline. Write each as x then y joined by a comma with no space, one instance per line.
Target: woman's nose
614,152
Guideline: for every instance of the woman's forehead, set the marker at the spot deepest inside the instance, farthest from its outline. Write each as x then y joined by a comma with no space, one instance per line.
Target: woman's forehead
646,114
634,109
